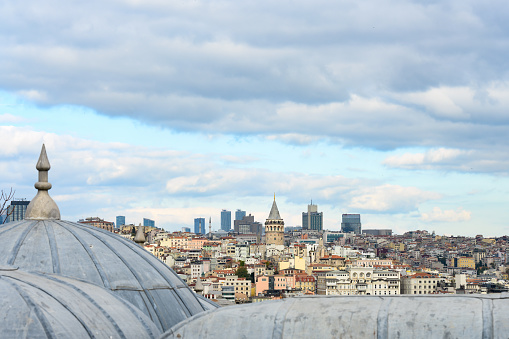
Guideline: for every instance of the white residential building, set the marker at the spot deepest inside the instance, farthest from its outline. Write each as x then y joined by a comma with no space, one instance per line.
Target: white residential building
358,281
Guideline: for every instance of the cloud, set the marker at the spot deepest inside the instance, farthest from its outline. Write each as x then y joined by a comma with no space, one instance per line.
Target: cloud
429,158
437,214
383,75
390,199
10,119
485,160
104,175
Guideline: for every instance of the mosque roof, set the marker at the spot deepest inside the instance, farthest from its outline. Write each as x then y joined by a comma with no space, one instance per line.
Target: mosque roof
48,306
421,316
43,243
103,258
274,212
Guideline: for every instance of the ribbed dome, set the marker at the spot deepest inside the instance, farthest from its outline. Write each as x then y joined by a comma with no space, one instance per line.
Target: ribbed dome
102,258
401,316
45,306
43,243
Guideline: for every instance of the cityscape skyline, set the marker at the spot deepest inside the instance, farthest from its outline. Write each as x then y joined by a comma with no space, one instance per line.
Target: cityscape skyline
393,110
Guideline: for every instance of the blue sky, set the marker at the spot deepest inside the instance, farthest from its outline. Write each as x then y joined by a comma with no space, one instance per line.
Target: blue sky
173,110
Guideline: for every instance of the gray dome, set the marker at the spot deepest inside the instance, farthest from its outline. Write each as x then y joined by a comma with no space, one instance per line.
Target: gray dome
423,316
43,243
102,258
44,306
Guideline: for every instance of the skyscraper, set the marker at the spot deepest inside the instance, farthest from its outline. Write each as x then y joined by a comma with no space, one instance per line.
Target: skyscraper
16,211
199,225
239,214
120,221
149,222
226,220
312,220
351,223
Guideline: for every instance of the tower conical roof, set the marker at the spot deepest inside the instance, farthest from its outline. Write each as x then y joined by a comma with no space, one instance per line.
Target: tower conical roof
274,212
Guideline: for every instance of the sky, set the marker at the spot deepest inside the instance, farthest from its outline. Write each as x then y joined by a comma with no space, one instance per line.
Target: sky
172,110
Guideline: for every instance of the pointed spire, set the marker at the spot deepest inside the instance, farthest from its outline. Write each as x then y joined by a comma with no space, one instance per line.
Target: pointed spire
42,205
274,212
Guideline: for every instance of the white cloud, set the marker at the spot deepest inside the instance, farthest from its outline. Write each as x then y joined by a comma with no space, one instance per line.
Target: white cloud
390,198
483,160
437,214
10,119
34,95
429,158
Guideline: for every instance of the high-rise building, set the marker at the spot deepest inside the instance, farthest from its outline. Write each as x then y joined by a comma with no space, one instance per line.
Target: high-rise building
226,220
239,214
149,222
16,210
274,227
351,223
199,226
312,220
120,221
248,225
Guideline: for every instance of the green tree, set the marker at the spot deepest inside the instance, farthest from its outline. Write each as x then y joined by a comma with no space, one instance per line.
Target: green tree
242,272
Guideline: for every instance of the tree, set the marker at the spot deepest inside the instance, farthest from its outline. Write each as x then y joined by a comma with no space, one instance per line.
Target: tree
4,200
242,272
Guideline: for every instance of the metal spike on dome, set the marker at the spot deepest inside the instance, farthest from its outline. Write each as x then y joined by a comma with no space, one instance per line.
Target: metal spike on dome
42,205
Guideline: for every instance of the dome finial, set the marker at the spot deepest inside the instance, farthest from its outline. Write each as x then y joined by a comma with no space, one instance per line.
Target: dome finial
139,238
42,206
43,162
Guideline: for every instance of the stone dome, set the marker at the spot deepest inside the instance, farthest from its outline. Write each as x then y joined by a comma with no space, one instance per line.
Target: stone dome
400,316
46,306
43,243
102,258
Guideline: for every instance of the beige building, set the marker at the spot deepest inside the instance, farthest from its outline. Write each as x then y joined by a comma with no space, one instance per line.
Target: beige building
333,260
420,283
305,282
98,222
242,285
274,227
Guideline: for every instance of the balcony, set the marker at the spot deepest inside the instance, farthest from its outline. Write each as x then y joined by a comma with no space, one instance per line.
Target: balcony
361,287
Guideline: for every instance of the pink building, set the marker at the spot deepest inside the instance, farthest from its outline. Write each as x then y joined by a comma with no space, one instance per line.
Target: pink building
262,284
